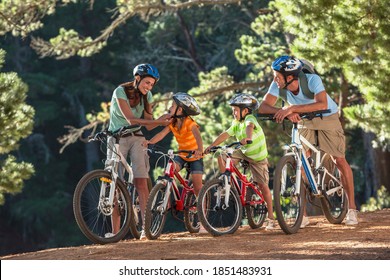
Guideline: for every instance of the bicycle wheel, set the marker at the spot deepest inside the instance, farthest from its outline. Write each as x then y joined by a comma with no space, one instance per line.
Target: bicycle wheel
335,201
155,214
255,212
216,217
191,220
91,211
136,217
288,205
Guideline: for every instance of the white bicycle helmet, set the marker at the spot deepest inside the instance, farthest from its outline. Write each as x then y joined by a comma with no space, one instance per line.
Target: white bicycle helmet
244,100
187,103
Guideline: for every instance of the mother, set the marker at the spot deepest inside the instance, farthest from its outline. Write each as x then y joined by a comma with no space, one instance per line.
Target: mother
130,105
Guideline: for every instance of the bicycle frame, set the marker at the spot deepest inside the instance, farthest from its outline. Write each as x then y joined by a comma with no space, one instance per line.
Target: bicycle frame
315,182
170,173
117,158
232,172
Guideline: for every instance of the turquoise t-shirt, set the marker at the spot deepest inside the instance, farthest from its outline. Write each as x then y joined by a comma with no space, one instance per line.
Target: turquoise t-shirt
315,85
258,149
117,120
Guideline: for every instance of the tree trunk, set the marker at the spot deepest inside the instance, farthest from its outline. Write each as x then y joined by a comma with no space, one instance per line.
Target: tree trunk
371,180
343,101
376,167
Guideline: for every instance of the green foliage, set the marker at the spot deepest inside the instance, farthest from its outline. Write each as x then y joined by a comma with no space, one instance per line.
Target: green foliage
16,121
12,176
21,19
382,200
261,49
352,36
197,56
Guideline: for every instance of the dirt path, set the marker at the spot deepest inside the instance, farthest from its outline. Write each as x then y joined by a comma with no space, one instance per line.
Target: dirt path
370,240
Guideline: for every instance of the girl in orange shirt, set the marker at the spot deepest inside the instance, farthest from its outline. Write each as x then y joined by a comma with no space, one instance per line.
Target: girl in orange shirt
187,134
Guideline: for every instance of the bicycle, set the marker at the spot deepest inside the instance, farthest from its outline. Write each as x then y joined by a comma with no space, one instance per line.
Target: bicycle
221,200
316,176
166,196
100,192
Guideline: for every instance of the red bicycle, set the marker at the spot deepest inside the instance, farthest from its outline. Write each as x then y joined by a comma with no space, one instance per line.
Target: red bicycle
221,200
169,196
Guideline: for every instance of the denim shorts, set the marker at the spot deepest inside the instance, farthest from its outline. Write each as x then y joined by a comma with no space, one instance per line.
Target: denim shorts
196,166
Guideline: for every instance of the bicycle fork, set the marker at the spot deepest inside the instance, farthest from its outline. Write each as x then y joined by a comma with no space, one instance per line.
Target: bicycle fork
223,192
164,205
106,204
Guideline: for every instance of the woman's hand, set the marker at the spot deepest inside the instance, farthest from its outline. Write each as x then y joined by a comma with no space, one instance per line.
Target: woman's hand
163,122
166,116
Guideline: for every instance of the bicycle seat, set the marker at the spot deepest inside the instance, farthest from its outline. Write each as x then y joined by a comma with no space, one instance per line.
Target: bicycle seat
186,165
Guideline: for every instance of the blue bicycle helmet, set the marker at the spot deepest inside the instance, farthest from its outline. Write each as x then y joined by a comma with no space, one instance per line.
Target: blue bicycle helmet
146,70
287,65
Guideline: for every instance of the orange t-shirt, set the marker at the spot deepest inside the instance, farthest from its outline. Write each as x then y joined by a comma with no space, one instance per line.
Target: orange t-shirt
184,137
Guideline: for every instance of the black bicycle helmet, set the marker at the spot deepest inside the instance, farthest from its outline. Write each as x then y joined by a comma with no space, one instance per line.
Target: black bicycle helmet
146,70
243,100
187,103
287,65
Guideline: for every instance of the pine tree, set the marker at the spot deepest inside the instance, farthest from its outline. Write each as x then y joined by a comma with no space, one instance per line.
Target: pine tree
16,123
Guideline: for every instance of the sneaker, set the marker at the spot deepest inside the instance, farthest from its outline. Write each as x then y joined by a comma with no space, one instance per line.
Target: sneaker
305,222
202,230
109,235
351,218
142,235
270,224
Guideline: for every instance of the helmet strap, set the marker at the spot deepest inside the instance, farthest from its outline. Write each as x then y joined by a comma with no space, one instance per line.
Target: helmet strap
286,84
136,82
175,115
241,117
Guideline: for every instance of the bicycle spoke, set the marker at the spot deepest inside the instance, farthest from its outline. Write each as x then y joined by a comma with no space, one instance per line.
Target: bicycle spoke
93,213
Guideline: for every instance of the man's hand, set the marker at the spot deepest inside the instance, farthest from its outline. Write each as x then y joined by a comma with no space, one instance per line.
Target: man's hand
294,117
282,114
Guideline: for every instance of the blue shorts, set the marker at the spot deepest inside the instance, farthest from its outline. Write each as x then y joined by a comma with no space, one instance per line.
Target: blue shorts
196,166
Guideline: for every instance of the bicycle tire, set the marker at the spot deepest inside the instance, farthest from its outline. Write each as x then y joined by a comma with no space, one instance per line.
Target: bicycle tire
191,220
136,217
334,203
288,206
88,208
154,217
216,220
255,213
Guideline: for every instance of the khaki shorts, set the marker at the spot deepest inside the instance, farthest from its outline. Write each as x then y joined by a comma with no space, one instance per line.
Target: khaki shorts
139,158
259,169
331,138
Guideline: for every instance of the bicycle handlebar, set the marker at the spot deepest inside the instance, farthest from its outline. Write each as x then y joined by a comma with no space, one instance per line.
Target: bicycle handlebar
236,144
306,115
189,153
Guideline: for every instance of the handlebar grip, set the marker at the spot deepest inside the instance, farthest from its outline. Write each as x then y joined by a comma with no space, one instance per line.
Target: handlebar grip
266,117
